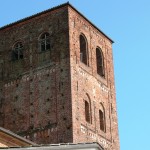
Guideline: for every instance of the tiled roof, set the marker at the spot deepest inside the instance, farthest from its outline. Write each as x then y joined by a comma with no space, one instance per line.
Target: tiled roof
8,132
51,9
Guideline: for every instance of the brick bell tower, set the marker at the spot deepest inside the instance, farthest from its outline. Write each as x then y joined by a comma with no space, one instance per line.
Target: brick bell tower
57,79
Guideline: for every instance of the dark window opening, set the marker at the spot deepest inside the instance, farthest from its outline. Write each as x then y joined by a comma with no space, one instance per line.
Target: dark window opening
17,52
44,42
83,50
102,120
100,62
87,112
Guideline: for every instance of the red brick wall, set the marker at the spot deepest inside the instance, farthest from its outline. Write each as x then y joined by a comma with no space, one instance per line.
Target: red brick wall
85,80
35,91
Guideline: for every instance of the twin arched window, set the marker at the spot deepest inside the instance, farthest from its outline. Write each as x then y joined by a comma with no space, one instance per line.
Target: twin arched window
17,52
88,114
44,45
84,56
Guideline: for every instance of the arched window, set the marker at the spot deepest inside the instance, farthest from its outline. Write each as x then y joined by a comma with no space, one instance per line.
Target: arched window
83,50
44,42
88,113
17,52
100,62
102,119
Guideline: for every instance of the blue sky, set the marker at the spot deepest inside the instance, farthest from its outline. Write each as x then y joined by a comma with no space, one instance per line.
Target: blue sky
127,22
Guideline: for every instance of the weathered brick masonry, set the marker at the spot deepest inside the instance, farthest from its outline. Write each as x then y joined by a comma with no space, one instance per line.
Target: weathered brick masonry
44,94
